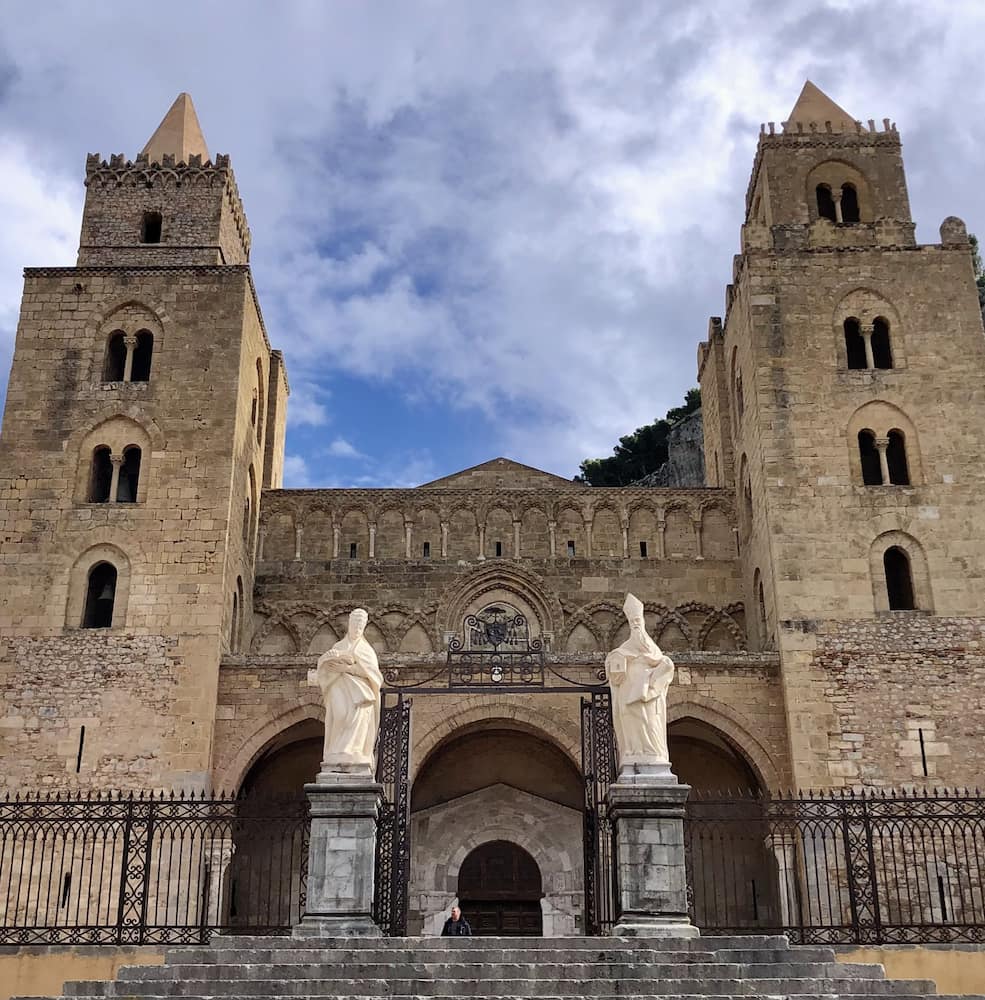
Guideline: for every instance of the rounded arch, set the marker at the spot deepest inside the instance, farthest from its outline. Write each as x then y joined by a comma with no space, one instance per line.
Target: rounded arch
733,728
857,309
880,417
923,598
231,775
129,317
834,175
507,582
78,581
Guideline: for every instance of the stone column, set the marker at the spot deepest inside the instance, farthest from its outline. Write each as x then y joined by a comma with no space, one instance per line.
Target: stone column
625,541
661,539
867,340
882,444
409,536
114,483
482,541
336,539
696,528
130,342
444,539
588,537
552,531
516,539
836,198
341,856
298,534
372,539
647,814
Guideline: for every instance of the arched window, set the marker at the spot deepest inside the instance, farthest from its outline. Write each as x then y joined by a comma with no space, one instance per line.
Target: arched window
150,227
854,344
899,579
100,596
899,472
882,356
740,402
142,353
234,623
115,362
761,603
101,475
869,456
126,490
849,203
825,203
259,420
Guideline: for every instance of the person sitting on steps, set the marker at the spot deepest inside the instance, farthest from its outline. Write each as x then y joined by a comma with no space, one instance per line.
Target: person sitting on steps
456,925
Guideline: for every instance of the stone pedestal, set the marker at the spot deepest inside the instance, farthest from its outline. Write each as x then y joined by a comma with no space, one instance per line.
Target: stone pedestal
648,832
341,856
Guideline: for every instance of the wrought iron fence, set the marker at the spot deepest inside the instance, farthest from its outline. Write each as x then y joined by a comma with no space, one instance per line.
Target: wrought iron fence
867,869
145,869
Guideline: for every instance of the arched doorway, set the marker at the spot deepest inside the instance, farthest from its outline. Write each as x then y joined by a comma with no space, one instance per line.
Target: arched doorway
735,875
499,891
262,885
498,782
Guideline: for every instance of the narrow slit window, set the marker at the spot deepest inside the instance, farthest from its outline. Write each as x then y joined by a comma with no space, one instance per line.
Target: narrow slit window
899,580
499,549
869,457
66,889
854,344
115,363
882,355
142,354
571,549
100,597
849,203
427,550
353,550
643,553
82,743
151,227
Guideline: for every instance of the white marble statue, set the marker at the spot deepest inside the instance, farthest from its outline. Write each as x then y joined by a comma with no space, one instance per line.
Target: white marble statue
350,681
639,674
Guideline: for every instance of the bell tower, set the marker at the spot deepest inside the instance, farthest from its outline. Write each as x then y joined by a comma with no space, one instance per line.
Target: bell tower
847,415
145,413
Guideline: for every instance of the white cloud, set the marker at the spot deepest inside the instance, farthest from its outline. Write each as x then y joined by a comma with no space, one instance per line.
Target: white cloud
306,406
340,448
296,475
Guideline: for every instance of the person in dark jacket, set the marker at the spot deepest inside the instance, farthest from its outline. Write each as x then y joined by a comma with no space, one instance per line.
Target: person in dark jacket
456,925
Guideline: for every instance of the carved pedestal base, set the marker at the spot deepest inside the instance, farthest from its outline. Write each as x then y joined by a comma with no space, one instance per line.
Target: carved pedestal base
341,857
648,829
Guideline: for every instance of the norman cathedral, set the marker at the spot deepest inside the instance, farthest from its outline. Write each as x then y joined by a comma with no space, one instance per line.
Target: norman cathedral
163,597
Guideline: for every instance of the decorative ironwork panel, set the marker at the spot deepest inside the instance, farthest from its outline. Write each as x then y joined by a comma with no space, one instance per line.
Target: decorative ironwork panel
598,761
495,650
391,891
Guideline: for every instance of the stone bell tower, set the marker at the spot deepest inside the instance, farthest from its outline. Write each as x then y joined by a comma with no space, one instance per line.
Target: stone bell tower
844,406
145,413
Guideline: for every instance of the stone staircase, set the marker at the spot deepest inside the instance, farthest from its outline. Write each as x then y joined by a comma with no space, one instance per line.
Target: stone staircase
264,968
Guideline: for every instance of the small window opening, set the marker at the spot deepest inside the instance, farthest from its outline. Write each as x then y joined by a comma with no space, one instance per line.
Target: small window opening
353,549
101,476
142,353
247,517
740,401
259,420
825,203
899,472
150,230
66,889
126,488
869,457
941,895
427,550
923,753
849,203
234,624
116,358
855,344
253,410
82,743
100,597
571,550
899,579
643,550
882,356
499,548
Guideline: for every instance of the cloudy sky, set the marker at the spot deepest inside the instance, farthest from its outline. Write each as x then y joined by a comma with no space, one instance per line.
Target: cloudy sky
479,228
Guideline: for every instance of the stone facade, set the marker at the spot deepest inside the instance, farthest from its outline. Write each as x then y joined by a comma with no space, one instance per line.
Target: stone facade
796,663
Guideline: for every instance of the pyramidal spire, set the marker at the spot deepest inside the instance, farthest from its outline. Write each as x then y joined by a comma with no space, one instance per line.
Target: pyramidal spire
814,105
179,134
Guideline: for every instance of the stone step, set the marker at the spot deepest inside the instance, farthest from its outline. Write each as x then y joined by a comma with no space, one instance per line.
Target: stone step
195,955
238,988
427,971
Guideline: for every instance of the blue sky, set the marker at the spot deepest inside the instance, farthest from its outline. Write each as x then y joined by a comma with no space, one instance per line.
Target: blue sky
478,229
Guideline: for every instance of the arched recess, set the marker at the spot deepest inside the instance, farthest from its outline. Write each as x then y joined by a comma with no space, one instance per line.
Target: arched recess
881,417
834,175
717,540
131,319
923,596
78,583
606,534
354,535
500,890
117,433
317,536
499,533
679,534
707,760
535,535
463,534
572,541
724,724
426,539
391,537
867,308
279,538
508,583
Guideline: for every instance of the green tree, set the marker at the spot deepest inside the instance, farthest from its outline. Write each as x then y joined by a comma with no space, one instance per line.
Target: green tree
639,453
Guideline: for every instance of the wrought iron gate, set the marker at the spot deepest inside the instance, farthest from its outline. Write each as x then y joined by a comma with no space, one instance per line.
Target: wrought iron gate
598,765
393,829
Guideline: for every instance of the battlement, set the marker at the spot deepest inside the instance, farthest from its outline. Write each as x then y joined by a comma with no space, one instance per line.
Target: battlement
840,128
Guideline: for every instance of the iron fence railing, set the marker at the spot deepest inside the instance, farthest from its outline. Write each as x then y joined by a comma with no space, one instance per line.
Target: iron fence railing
825,869
882,868
147,869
